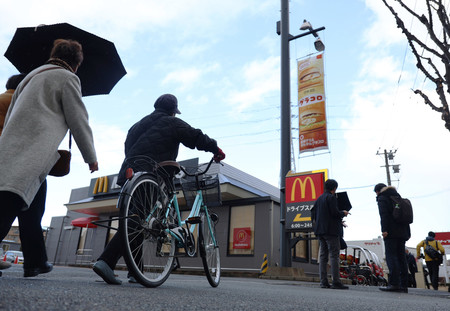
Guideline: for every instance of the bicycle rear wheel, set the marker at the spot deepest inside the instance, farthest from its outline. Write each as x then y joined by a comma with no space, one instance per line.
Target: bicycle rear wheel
148,248
209,251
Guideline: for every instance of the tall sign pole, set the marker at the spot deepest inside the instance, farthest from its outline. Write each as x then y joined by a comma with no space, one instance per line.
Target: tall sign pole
285,130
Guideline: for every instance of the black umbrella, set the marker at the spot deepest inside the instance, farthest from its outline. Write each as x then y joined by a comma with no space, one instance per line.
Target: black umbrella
101,68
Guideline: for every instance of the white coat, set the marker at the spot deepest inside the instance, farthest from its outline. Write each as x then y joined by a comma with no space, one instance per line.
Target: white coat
37,121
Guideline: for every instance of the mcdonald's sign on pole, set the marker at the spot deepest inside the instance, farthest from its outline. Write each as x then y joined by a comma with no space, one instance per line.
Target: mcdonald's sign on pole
311,104
302,190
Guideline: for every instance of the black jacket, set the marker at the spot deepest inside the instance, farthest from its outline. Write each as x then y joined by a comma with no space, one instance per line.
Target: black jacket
327,218
159,135
386,207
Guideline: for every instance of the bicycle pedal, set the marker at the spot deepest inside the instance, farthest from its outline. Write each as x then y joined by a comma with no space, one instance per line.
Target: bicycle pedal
194,220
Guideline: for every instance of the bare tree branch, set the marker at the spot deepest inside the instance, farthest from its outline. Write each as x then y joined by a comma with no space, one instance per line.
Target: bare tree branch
428,101
441,51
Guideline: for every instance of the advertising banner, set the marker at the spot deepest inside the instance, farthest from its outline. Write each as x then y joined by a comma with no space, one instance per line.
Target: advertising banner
443,238
302,190
242,238
311,104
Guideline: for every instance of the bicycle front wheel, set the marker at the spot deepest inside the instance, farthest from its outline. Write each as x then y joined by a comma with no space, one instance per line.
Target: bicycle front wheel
209,251
148,248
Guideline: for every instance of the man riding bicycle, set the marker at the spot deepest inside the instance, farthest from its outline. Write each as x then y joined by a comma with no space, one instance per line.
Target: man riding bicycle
158,136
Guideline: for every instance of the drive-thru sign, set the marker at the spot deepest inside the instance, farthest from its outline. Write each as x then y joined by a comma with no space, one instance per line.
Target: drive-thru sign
302,190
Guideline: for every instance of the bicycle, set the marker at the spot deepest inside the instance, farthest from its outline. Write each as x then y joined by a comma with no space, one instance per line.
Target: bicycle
150,221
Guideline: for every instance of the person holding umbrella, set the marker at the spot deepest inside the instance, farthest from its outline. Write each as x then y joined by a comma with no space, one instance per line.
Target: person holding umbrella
44,107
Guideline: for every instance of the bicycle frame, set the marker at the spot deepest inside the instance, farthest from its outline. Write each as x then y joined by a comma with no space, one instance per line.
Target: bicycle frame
152,229
195,212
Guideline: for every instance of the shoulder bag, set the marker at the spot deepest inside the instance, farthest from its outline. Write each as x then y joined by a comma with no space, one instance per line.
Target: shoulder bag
62,166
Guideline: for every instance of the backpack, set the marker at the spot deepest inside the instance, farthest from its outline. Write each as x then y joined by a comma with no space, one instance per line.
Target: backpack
432,252
403,212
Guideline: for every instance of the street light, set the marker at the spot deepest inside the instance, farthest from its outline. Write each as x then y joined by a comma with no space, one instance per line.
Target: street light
285,157
318,44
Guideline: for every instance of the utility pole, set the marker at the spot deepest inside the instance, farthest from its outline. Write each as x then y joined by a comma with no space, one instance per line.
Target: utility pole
285,154
389,156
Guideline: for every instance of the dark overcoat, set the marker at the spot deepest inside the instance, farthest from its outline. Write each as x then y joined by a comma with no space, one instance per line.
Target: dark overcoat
327,218
159,135
386,207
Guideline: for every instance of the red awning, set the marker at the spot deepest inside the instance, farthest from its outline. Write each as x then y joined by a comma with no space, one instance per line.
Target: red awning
85,222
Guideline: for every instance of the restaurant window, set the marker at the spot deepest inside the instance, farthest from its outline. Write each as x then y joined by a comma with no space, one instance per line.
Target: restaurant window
242,231
82,241
307,249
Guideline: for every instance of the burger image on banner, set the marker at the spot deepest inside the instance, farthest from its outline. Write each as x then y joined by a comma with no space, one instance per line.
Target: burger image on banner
311,104
312,118
310,77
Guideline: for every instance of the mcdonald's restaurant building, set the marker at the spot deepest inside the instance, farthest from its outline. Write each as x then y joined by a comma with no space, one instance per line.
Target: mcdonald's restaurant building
248,227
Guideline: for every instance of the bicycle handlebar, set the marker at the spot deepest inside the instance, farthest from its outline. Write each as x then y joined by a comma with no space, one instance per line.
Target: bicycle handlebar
197,173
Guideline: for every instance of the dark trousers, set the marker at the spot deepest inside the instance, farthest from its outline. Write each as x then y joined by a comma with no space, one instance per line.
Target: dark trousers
113,251
33,245
412,280
329,248
433,269
396,262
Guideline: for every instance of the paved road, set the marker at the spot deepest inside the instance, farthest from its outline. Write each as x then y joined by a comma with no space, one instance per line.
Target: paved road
69,288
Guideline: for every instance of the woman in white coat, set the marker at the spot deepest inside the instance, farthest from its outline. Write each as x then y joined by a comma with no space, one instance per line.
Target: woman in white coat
44,107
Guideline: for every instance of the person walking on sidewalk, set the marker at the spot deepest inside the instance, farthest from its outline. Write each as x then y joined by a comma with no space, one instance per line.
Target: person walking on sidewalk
157,136
327,219
432,263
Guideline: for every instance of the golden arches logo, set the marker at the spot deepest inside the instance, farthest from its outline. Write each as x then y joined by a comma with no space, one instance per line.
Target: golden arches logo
303,187
242,235
101,185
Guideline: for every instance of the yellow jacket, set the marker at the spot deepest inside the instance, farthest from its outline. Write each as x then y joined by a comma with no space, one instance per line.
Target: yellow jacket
5,101
435,244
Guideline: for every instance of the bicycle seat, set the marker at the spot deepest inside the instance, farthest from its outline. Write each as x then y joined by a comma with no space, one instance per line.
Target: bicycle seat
171,167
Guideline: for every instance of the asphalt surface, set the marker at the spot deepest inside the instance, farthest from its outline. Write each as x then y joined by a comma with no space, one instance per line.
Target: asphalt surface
71,288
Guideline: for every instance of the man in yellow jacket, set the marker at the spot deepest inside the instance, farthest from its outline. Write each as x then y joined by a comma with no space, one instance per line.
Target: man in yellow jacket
432,263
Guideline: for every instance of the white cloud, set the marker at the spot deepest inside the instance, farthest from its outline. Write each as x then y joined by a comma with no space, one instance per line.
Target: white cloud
188,77
260,78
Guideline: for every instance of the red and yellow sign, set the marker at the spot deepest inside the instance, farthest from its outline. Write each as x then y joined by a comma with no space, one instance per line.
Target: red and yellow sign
311,104
242,238
302,190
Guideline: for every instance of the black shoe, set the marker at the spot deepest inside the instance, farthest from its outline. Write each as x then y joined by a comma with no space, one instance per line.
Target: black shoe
30,272
404,290
106,273
391,288
325,285
338,286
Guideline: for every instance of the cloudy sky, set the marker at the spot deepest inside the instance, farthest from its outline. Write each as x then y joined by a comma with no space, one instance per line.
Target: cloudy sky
222,60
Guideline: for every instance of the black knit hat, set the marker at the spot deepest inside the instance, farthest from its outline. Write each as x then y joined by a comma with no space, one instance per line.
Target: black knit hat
168,103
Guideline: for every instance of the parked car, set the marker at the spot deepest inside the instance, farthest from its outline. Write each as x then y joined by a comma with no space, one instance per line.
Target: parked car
11,256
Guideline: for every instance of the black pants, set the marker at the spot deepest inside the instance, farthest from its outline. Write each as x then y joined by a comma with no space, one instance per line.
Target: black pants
33,245
113,251
396,262
433,269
